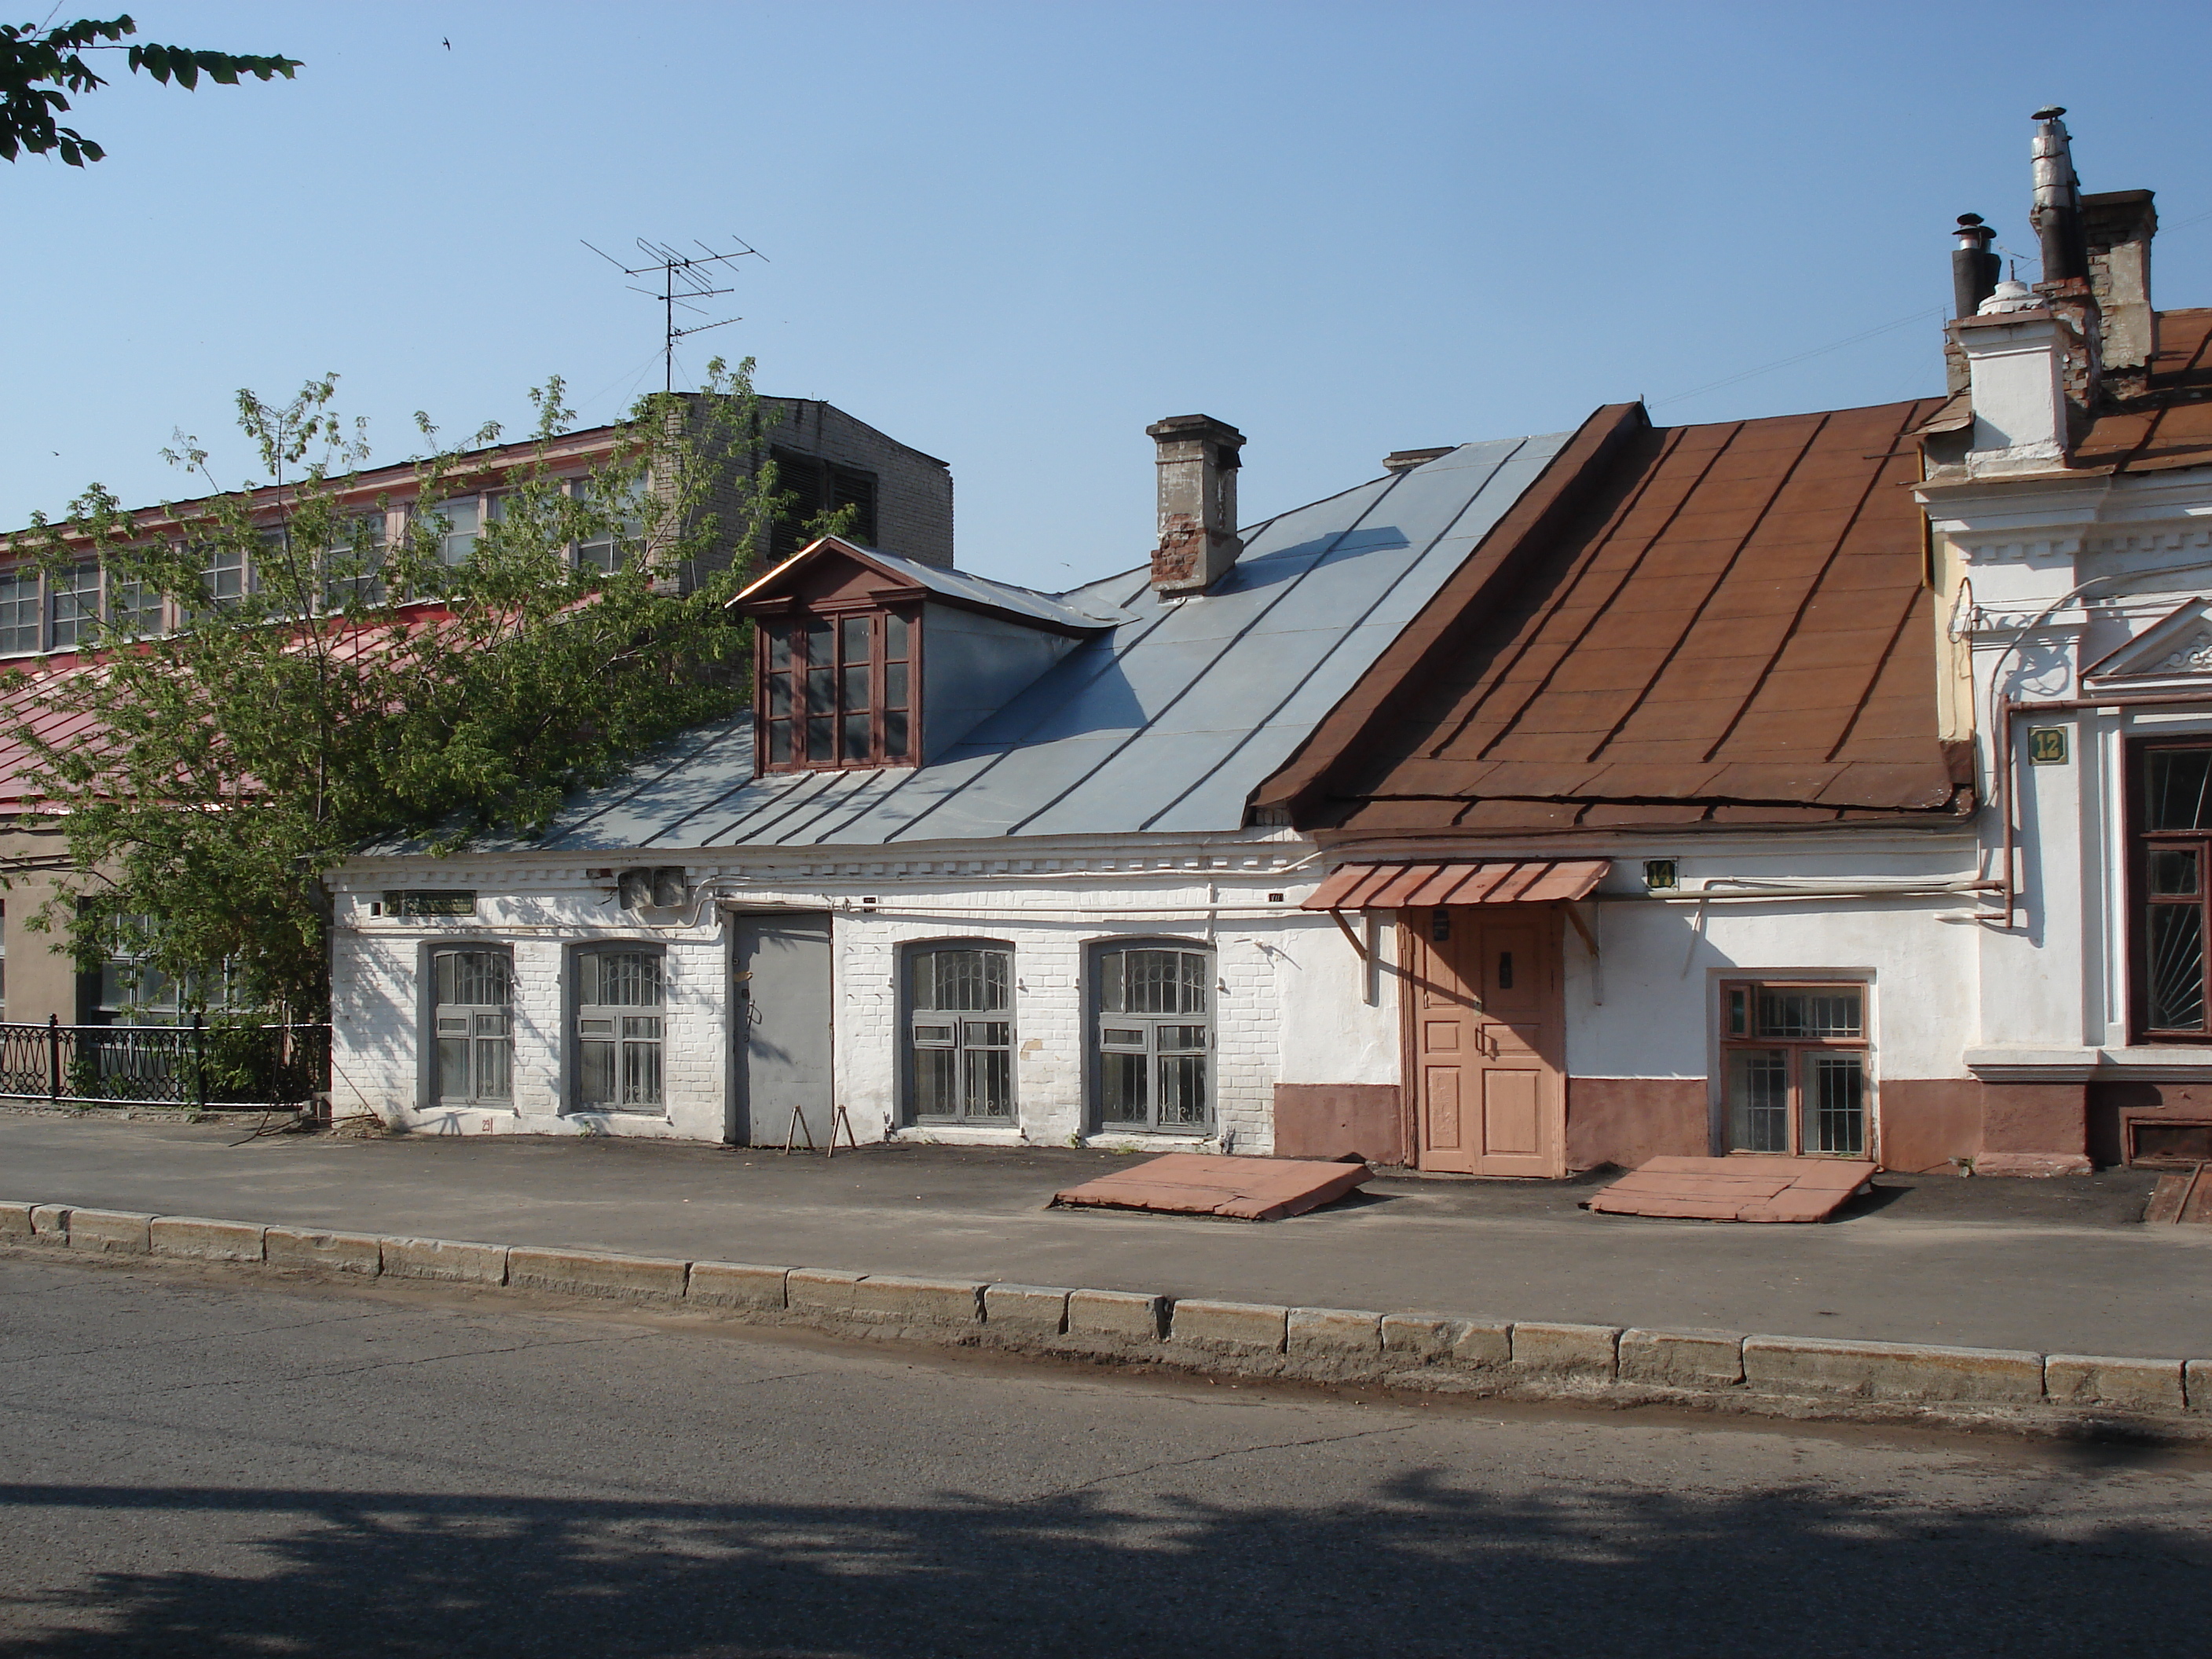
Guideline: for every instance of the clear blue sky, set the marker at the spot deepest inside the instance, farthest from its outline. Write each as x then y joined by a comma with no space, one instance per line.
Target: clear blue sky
1014,234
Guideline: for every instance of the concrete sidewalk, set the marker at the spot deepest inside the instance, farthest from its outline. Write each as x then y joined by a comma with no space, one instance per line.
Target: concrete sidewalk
2047,1265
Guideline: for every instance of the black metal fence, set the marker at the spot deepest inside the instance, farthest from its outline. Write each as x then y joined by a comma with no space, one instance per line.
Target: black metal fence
189,1065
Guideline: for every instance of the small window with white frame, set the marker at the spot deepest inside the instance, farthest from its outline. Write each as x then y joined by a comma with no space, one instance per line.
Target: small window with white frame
134,607
353,562
456,522
1794,1067
223,573
620,1029
20,604
73,604
621,536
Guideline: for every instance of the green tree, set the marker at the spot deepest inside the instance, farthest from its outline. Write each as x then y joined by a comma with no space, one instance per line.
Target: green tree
362,693
39,66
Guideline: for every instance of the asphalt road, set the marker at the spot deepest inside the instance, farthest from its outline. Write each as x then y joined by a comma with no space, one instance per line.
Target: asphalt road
191,1465
2056,1267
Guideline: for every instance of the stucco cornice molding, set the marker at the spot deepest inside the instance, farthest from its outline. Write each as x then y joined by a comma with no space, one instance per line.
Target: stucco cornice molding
2085,1065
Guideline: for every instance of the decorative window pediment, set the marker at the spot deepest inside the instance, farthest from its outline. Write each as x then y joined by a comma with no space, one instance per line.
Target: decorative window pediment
2175,650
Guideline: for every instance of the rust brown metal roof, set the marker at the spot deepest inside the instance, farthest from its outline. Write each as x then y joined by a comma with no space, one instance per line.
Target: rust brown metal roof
2169,425
1510,881
1718,625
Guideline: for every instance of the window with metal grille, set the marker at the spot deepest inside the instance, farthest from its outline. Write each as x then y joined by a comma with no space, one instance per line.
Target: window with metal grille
1153,1041
472,1011
1793,1067
836,691
960,1032
2170,872
815,487
620,1030
19,610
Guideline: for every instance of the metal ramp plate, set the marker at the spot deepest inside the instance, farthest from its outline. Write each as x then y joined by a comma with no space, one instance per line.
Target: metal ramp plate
2183,1196
1736,1188
1200,1183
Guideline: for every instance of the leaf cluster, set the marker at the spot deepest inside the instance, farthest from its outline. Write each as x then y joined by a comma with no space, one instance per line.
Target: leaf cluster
40,67
367,689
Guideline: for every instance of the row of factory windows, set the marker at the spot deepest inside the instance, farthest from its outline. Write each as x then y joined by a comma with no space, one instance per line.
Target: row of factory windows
1150,1031
60,608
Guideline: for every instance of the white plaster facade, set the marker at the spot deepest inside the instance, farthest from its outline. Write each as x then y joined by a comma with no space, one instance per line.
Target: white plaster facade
1294,1002
2066,588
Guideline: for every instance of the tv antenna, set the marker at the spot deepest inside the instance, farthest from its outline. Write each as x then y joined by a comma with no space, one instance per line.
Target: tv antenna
686,279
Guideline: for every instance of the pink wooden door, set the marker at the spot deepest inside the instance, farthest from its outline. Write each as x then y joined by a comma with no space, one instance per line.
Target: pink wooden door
1489,1098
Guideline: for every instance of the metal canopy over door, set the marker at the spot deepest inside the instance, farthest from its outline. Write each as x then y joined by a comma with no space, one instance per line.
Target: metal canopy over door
1486,1043
782,1014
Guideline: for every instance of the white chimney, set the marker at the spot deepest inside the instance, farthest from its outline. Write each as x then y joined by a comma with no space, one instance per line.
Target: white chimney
2016,349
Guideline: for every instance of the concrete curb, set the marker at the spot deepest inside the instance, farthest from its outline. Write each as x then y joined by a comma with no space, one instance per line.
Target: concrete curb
1530,1359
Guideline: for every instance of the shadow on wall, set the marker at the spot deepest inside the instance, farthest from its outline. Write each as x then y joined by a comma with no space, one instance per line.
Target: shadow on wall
1413,1566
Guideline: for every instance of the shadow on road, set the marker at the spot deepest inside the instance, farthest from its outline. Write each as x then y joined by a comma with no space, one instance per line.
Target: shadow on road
1412,1567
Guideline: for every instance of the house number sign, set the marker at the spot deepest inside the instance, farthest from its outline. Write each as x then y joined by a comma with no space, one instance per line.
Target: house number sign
2046,745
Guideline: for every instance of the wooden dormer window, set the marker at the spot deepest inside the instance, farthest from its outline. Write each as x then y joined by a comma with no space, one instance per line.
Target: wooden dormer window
837,689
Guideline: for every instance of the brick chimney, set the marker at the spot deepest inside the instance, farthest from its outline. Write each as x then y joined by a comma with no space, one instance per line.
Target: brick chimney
2117,225
1197,463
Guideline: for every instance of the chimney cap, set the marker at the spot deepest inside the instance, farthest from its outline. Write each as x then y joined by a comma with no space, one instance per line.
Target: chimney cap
2011,296
1405,460
2050,112
1194,426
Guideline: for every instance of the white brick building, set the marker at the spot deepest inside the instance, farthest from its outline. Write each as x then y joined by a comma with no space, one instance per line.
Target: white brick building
1233,899
979,868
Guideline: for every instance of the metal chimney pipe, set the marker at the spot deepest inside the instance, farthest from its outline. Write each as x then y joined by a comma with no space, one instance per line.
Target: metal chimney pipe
1974,268
2056,213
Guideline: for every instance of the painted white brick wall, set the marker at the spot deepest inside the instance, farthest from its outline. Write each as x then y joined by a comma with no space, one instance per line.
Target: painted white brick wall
380,1014
1265,953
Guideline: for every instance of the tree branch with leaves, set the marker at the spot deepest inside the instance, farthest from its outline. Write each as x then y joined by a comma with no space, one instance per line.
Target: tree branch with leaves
40,67
366,688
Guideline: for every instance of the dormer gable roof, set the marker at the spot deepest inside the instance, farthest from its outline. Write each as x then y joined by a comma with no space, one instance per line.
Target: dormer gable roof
834,569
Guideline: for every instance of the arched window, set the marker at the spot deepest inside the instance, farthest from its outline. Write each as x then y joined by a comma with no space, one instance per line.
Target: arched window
1153,1036
960,1033
473,989
620,995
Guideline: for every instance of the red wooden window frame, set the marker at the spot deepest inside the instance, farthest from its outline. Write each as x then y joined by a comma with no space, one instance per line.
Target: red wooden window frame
839,690
1799,1105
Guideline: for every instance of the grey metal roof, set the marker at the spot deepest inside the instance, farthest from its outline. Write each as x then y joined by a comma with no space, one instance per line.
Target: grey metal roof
1164,723
961,587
